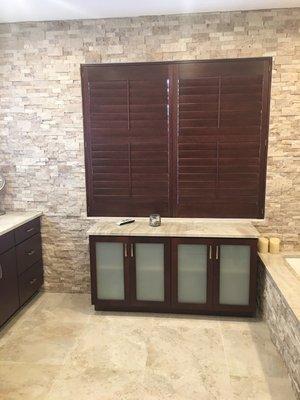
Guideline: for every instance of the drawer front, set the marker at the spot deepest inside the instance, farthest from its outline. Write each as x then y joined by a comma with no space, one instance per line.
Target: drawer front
30,281
7,241
27,230
29,252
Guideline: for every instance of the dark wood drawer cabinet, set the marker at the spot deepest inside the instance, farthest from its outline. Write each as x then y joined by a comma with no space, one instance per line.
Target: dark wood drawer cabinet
29,252
27,230
9,294
30,281
188,275
21,267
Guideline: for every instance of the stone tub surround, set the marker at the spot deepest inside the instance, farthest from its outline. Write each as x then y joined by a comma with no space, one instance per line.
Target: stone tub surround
12,220
51,351
41,130
279,301
175,227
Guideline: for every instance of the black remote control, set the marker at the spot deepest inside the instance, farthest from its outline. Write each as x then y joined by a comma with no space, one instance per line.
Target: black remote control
125,221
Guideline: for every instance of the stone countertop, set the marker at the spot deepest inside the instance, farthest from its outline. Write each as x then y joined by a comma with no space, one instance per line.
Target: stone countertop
14,219
175,227
284,278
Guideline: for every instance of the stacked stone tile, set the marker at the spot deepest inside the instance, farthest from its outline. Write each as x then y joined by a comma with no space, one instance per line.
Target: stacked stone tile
41,133
283,324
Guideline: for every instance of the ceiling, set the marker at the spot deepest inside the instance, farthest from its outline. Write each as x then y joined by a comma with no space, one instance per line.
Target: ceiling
49,10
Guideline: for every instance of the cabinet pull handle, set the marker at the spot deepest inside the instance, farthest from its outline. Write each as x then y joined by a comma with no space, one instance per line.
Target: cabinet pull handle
131,250
32,281
126,251
217,252
30,230
210,251
30,252
1,272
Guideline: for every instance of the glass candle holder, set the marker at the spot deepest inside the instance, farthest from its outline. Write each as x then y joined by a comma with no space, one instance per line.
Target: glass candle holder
154,220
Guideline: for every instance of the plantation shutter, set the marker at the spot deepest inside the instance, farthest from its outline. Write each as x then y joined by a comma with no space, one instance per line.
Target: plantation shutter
126,116
220,138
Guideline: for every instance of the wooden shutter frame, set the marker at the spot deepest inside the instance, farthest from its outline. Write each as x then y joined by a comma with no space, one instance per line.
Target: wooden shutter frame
173,65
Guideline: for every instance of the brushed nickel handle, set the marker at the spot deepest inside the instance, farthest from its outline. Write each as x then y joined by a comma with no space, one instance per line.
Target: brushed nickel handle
30,230
217,252
131,250
30,252
210,251
32,281
1,272
126,250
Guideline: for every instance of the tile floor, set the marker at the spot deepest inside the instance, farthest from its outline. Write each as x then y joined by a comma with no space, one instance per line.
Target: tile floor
58,348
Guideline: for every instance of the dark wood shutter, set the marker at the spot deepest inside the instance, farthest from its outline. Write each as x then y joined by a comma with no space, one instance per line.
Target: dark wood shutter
185,139
127,139
221,138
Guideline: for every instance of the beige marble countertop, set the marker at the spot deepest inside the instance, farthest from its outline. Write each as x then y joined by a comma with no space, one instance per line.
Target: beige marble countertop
284,277
13,219
175,227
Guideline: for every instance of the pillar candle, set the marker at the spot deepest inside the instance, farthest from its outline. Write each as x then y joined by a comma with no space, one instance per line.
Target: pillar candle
274,245
263,245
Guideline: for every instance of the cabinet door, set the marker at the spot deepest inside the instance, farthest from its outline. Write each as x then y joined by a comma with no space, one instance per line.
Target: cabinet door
9,295
109,272
150,272
235,264
192,274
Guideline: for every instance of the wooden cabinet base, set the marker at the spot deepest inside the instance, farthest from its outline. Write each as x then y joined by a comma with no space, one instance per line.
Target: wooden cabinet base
174,275
232,312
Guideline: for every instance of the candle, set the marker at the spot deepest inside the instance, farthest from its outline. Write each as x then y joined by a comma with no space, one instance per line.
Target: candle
263,244
274,245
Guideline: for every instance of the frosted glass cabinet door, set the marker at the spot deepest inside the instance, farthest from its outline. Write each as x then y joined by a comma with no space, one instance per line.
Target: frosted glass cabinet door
234,274
150,268
192,273
110,271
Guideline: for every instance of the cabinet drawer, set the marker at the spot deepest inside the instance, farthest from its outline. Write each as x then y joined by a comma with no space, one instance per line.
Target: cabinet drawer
30,281
27,230
7,241
29,252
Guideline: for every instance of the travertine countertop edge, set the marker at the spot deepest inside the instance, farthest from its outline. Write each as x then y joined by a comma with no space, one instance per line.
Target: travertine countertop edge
13,219
175,228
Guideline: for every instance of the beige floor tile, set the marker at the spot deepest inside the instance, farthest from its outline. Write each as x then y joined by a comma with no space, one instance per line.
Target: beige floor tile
21,381
128,356
261,388
63,307
93,383
17,319
45,342
250,352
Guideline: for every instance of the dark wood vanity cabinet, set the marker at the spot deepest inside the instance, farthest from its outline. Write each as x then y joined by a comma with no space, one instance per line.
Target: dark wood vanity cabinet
9,294
21,267
188,275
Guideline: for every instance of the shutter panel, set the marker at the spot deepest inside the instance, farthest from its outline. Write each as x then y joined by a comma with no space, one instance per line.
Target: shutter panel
220,141
126,123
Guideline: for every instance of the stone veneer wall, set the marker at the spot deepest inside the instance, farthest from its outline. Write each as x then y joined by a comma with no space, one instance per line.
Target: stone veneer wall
41,135
283,324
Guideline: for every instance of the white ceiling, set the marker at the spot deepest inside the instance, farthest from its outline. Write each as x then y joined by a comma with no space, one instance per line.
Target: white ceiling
49,10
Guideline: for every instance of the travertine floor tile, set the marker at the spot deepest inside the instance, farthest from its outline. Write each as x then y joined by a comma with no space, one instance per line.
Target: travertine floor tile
85,355
43,342
261,388
22,381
